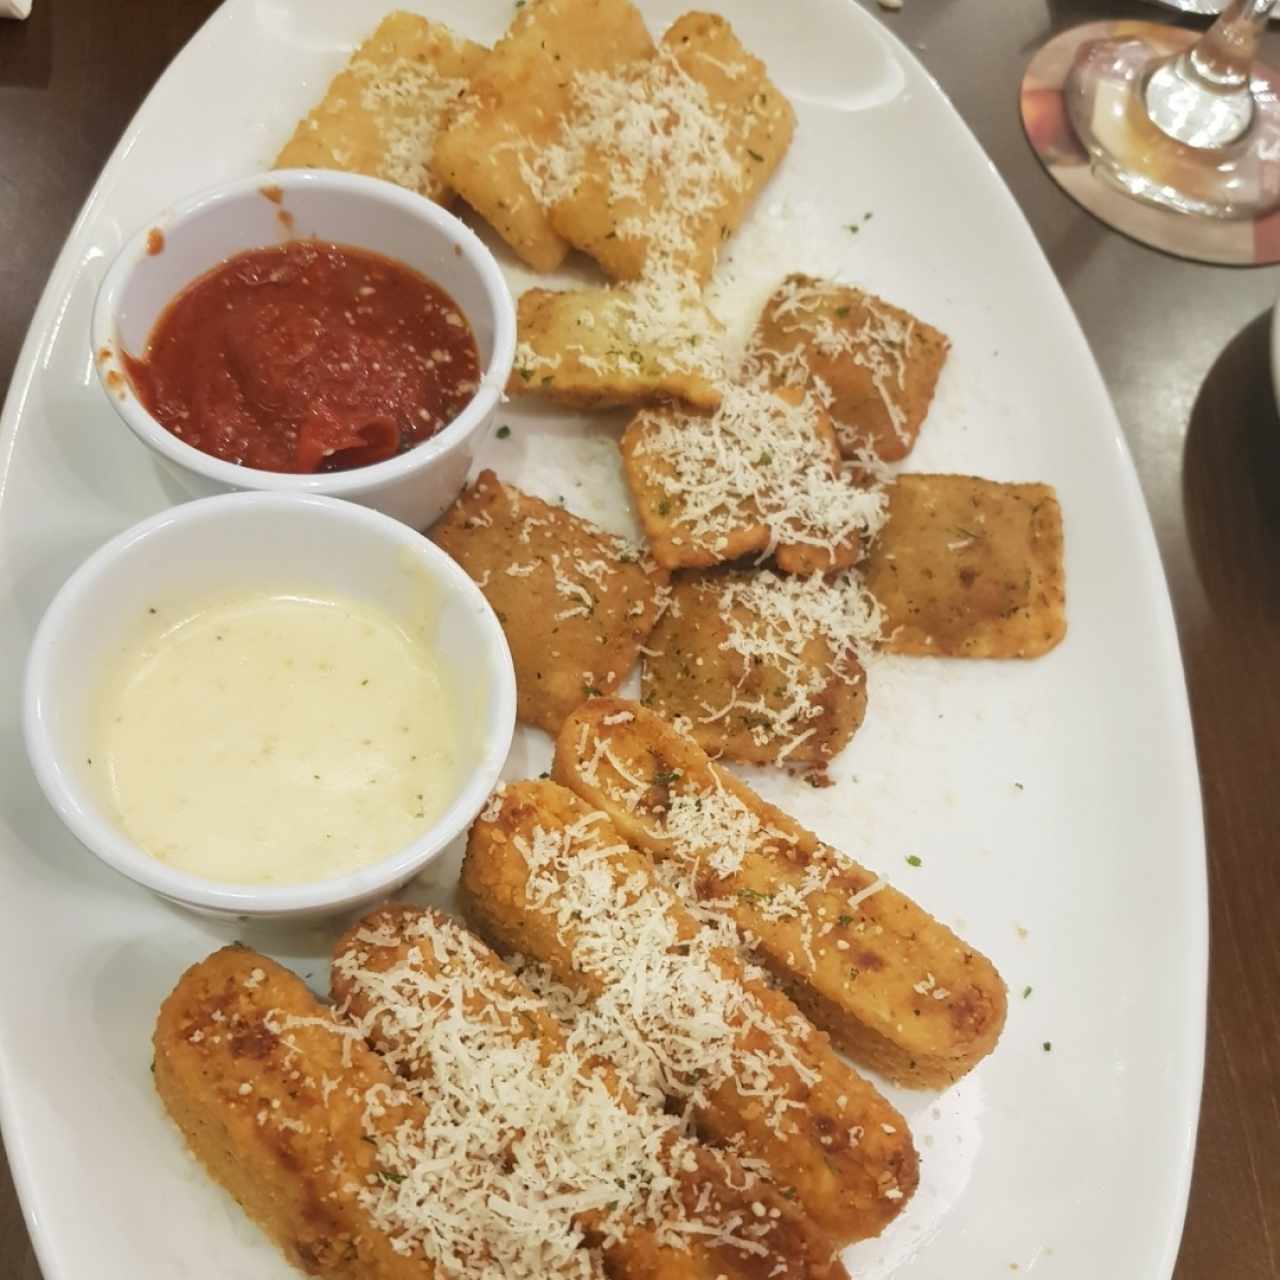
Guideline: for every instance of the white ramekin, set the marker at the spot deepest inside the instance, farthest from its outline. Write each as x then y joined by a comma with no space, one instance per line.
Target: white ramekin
252,542
250,213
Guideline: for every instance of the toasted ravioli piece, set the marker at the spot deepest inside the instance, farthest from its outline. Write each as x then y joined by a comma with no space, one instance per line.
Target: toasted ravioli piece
382,110
679,1013
761,475
272,1096
600,348
469,1037
760,666
970,568
895,989
576,603
874,366
519,95
658,164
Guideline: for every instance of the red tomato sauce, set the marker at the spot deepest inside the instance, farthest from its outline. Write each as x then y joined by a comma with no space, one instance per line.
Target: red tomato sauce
306,357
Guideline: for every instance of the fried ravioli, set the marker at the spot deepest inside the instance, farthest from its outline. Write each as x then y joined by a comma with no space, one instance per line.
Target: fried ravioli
678,1012
270,1093
659,166
601,348
381,112
517,99
874,366
762,667
761,475
454,1021
969,568
576,603
894,988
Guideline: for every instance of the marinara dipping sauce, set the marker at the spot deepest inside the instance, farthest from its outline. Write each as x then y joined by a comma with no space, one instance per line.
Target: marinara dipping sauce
307,356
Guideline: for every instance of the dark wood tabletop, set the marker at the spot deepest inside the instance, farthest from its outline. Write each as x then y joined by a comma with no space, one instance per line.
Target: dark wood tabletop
1184,350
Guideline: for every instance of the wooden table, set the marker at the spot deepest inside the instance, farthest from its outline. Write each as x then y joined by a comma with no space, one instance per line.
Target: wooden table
1184,352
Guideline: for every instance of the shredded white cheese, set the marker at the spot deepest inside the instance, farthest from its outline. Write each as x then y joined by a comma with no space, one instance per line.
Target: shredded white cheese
521,1138
759,459
406,102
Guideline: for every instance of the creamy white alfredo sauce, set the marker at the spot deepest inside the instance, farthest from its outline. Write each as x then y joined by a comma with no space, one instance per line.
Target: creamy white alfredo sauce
274,739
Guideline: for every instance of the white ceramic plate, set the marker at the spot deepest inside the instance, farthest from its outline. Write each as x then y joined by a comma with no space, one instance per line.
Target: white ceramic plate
1054,804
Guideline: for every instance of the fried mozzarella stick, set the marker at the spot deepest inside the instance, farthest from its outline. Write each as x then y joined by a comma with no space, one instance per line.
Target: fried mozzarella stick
675,1009
352,1175
289,1111
462,1030
893,987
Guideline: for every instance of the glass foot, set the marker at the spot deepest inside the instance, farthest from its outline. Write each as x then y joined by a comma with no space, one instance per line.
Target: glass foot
1159,127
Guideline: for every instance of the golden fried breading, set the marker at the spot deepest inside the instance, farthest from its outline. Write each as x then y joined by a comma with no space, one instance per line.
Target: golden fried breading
401,971
576,603
518,97
270,1094
382,109
879,364
639,198
895,989
679,1013
761,472
452,1018
599,348
762,667
969,568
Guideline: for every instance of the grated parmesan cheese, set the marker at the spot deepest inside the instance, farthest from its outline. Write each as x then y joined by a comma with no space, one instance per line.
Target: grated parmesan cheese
710,835
669,1013
874,339
665,147
406,102
760,458
772,620
522,1138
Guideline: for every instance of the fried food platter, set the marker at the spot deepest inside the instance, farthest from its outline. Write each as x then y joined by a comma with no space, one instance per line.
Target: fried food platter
1028,806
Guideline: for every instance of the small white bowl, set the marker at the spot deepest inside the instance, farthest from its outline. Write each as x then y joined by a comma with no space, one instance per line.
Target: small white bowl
200,232
260,542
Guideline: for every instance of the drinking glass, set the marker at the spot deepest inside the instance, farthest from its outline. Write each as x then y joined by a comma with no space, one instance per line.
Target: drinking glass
1196,131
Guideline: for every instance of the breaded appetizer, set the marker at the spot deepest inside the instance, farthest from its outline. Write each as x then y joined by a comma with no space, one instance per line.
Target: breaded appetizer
576,603
760,476
894,988
517,100
658,163
969,568
291,1113
630,345
760,666
679,1014
873,366
473,1042
382,110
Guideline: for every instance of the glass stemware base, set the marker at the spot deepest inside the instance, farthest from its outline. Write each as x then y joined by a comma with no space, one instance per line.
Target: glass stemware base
1158,128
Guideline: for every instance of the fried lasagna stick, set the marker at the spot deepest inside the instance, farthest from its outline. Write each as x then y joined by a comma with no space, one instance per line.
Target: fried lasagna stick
873,365
629,345
272,1095
893,987
658,164
969,568
760,476
381,112
576,603
516,101
677,1011
760,666
469,1038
